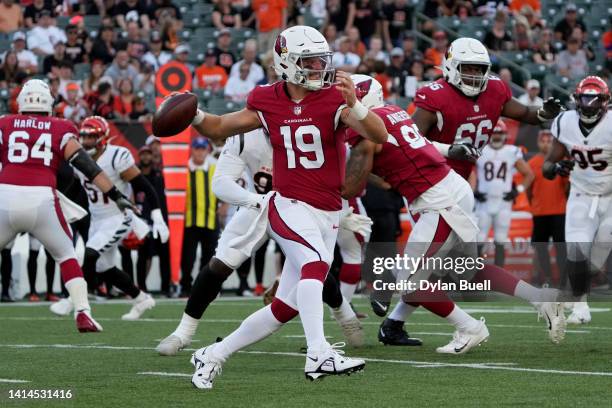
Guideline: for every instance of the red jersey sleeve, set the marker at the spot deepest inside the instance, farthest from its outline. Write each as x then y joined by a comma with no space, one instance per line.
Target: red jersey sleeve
257,97
67,131
430,97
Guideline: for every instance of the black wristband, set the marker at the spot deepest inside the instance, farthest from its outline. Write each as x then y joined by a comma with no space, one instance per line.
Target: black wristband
114,194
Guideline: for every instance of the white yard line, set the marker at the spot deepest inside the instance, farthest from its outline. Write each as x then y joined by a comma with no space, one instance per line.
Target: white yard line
12,381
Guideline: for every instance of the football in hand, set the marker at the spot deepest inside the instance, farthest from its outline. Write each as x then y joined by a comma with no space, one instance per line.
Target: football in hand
174,114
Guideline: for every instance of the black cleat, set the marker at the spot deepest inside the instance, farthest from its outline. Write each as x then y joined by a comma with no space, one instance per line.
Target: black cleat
379,307
392,333
6,299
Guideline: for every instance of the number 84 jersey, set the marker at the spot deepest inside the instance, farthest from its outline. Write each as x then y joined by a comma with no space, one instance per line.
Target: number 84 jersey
496,168
592,153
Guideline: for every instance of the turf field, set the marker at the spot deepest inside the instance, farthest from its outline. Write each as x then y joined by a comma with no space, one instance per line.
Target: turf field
119,368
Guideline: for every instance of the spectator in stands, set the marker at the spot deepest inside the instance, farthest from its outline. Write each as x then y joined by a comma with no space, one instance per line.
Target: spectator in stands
209,75
415,79
11,16
357,46
34,10
249,56
145,82
582,37
75,49
411,52
330,32
51,63
572,62
44,35
344,59
103,48
364,16
156,57
531,97
606,40
169,31
397,71
533,17
135,10
73,107
135,45
498,39
271,75
295,15
396,18
28,61
225,56
66,76
434,55
548,199
122,103
522,35
544,51
226,16
181,54
237,88
139,112
271,19
376,51
517,6
101,102
164,6
155,145
121,68
9,70
20,79
564,28
338,12
90,84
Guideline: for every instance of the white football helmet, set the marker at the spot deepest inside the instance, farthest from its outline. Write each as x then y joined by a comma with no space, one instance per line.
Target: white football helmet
369,91
302,57
35,97
467,51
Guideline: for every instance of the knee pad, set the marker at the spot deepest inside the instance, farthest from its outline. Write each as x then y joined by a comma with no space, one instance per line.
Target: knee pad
350,273
282,311
315,270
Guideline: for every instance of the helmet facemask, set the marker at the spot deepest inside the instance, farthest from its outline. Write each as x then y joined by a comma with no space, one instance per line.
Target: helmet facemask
86,134
472,77
591,107
314,71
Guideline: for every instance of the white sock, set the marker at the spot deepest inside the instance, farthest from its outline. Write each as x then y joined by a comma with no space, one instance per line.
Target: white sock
310,307
254,328
141,296
348,290
77,289
402,311
529,293
460,319
186,328
344,312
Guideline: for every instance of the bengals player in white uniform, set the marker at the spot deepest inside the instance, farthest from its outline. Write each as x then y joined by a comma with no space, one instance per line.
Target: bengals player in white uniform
495,191
584,135
304,114
32,146
458,113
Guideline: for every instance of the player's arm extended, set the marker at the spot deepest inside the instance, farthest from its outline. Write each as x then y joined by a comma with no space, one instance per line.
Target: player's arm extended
220,127
140,184
425,120
230,168
528,177
557,152
78,157
514,109
358,168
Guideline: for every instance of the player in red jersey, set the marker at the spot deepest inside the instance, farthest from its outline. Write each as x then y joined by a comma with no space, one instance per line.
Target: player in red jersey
458,114
32,146
305,115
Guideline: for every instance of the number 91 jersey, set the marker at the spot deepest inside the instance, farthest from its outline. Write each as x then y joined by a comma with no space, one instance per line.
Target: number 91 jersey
307,138
32,148
462,119
592,173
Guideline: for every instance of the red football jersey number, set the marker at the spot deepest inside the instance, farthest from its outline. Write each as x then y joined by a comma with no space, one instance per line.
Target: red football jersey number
19,152
305,149
411,135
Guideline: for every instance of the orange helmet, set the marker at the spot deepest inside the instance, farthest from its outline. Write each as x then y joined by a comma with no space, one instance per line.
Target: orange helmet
97,127
591,97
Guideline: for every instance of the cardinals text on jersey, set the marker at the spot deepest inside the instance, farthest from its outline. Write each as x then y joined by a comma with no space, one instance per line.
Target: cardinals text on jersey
496,168
592,153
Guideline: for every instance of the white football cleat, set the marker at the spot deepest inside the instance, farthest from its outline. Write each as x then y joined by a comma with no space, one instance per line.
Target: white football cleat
331,362
206,368
464,340
85,323
62,307
352,330
555,319
139,307
580,314
171,345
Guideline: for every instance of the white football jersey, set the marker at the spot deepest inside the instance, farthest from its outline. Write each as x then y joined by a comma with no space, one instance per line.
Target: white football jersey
255,150
496,168
592,154
114,161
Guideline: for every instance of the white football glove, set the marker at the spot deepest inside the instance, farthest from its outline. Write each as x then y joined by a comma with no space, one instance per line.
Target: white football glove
361,224
159,229
256,201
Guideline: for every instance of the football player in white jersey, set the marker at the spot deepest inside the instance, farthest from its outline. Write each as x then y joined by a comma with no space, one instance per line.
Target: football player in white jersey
585,136
495,190
108,225
249,153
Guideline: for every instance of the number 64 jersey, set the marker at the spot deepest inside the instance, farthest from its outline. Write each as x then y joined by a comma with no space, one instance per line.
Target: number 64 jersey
592,154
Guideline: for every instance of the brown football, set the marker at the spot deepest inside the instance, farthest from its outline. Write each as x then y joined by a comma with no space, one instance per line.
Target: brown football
174,114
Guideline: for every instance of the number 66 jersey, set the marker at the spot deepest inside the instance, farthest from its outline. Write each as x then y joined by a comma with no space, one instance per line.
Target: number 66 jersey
592,152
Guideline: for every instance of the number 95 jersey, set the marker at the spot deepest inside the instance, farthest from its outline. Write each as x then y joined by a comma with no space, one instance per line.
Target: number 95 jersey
460,118
307,140
592,154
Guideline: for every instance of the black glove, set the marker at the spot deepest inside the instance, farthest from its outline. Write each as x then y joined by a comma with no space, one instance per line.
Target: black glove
550,109
480,197
511,195
463,151
123,203
564,167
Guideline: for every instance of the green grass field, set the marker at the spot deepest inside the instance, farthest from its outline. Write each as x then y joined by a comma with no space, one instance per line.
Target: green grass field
119,367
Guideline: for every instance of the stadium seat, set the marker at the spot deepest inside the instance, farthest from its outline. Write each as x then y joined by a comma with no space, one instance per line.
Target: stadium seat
92,22
62,21
81,71
220,106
